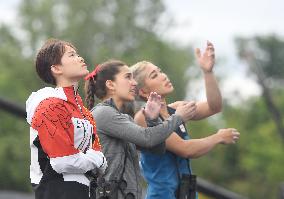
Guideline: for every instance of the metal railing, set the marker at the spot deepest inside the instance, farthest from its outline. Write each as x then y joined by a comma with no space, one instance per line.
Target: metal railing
12,108
203,186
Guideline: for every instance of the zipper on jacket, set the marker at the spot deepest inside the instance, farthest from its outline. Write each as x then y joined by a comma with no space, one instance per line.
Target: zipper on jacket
75,96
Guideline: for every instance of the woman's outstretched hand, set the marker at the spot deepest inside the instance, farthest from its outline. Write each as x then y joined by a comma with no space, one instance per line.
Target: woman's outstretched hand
153,106
206,60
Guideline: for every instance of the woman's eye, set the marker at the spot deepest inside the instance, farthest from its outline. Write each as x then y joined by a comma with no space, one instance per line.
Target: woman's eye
154,76
74,55
127,76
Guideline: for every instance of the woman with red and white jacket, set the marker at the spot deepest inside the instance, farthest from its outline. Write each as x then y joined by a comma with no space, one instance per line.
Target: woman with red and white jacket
63,140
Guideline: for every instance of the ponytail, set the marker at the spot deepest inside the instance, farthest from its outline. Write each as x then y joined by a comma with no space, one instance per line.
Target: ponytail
90,93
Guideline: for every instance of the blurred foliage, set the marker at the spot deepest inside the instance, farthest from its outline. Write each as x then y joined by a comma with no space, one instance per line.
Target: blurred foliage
14,153
102,30
128,30
268,51
254,166
264,56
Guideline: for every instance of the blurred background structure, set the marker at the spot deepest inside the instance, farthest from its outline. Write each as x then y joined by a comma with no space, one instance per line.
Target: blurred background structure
249,43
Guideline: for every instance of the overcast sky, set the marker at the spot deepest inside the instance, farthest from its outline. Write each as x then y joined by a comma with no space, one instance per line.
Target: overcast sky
223,19
218,21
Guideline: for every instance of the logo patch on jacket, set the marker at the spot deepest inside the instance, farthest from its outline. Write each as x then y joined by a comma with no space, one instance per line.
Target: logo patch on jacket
182,128
83,131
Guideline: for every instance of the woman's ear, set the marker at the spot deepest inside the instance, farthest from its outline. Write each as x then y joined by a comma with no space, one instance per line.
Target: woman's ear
56,69
110,85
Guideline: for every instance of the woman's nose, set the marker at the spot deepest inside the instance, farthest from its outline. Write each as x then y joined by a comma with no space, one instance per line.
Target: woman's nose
81,59
134,82
164,76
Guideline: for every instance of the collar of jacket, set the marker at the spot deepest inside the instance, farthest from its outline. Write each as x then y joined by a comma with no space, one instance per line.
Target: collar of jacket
110,102
71,89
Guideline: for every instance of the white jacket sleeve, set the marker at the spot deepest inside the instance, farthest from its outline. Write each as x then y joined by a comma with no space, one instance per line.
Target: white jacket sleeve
79,162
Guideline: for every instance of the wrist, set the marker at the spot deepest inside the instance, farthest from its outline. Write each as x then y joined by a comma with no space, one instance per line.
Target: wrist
207,71
151,118
152,122
217,138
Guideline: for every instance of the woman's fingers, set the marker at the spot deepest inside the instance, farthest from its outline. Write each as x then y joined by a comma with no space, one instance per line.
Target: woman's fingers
153,96
158,98
209,43
197,52
150,98
235,134
210,49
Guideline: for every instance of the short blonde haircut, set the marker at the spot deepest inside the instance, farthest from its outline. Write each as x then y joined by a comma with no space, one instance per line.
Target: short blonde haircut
138,71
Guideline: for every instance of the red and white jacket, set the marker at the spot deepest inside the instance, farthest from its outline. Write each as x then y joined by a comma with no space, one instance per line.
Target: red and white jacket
63,139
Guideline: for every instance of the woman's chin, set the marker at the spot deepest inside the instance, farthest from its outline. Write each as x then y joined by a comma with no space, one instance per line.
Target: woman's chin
86,72
131,98
83,74
167,92
171,90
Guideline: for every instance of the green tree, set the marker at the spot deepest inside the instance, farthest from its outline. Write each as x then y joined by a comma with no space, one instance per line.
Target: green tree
264,56
107,29
14,151
254,166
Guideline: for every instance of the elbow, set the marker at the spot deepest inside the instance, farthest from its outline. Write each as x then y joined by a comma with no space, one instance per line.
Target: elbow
193,156
185,154
190,155
220,107
191,151
217,108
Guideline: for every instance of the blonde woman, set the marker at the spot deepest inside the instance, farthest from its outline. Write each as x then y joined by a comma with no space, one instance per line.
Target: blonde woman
163,172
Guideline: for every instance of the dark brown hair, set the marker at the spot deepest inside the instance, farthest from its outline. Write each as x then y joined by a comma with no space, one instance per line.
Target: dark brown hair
50,54
96,86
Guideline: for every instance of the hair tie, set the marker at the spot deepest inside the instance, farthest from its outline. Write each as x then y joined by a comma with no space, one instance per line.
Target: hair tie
94,73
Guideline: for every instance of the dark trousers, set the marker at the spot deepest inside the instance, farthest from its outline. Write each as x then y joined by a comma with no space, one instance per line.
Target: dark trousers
58,189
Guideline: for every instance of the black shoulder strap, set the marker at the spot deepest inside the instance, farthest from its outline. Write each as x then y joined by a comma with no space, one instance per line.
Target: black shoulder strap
119,182
124,162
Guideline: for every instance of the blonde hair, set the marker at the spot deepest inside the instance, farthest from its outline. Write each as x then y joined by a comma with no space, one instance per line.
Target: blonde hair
138,71
139,74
